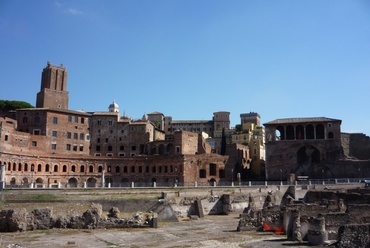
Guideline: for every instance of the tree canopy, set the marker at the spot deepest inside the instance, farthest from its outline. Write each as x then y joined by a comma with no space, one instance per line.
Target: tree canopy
6,105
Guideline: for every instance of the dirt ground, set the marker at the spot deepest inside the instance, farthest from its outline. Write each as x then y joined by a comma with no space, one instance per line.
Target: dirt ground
211,231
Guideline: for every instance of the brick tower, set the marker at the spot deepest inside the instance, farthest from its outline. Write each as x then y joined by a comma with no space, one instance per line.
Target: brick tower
53,92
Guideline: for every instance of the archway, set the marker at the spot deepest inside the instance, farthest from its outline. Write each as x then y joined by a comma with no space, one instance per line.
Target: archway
125,182
212,181
91,182
39,180
72,182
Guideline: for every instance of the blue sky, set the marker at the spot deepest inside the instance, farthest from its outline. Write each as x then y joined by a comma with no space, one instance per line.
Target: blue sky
190,58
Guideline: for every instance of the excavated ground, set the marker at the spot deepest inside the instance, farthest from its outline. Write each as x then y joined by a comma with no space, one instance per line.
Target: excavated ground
211,231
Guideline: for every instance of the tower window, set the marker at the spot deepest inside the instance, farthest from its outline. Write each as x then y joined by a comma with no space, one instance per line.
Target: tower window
55,120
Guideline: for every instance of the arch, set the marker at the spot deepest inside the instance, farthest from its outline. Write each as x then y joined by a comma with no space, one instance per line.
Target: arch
140,169
154,169
308,155
91,169
39,167
125,182
32,167
161,149
109,168
47,168
320,131
72,182
165,169
117,169
73,168
159,169
290,132
91,182
299,132
82,168
56,168
100,169
39,180
147,169
13,181
14,166
125,169
9,166
310,131
64,168
132,169
212,181
25,181
19,167
25,167
280,133
170,148
154,180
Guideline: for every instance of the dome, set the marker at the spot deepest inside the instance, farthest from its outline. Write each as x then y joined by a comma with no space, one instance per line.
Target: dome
113,107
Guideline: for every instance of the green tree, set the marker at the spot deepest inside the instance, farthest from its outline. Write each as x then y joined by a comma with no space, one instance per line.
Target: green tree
6,105
223,142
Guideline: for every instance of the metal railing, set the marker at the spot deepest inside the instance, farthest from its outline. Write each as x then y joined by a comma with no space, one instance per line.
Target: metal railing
193,184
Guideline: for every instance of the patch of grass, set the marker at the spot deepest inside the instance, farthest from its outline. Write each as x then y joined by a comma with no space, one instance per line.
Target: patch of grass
45,197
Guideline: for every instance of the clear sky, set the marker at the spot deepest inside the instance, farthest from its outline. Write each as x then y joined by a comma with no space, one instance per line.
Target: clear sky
190,58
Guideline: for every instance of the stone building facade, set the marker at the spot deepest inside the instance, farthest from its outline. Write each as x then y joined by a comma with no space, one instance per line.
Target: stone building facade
52,146
302,146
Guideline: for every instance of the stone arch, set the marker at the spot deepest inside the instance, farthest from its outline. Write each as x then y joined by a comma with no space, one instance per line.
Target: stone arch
13,181
72,182
73,168
310,131
47,168
82,168
290,132
39,167
91,182
14,166
64,168
320,131
308,154
125,182
299,130
161,149
212,181
100,169
39,180
280,133
56,168
25,181
19,167
170,148
91,169
25,167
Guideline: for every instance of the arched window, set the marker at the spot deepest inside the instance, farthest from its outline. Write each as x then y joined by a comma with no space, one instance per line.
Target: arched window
132,169
14,166
55,168
47,167
73,168
117,169
109,168
19,167
124,169
320,131
154,169
310,132
26,167
290,132
39,167
82,168
147,169
140,169
100,169
160,169
91,169
64,168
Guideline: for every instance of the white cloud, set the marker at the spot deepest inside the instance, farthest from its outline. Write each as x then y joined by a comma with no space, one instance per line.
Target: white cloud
70,11
74,11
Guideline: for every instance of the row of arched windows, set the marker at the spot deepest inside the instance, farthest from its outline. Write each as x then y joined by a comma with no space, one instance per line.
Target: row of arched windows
301,132
90,169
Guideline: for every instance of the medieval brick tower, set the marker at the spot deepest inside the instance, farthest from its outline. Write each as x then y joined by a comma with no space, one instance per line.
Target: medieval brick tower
53,92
